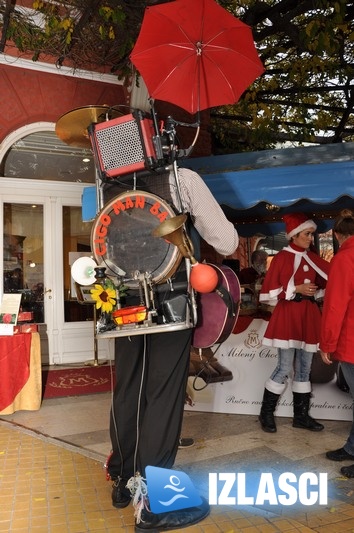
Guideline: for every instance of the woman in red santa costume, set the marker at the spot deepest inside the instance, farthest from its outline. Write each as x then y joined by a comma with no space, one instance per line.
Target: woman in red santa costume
295,280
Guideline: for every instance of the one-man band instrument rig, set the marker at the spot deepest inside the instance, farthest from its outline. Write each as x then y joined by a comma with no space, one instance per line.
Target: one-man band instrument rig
126,148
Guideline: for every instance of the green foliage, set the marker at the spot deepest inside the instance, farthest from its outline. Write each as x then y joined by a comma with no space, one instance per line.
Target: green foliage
307,46
307,91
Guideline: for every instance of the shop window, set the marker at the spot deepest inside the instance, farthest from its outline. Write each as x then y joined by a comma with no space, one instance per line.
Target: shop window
42,155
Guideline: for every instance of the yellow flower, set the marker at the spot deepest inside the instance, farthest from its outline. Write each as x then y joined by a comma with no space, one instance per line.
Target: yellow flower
105,298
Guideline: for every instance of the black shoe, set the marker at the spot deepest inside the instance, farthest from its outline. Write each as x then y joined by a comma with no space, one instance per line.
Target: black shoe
120,494
302,419
172,520
268,423
339,455
266,416
347,471
307,422
185,443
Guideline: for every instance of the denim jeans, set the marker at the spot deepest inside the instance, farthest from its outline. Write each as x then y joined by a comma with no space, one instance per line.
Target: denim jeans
286,365
348,373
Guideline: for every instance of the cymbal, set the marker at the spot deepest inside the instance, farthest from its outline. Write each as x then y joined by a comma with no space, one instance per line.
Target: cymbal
72,126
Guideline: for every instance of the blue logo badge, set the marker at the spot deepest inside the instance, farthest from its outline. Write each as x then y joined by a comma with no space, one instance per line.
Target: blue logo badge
170,490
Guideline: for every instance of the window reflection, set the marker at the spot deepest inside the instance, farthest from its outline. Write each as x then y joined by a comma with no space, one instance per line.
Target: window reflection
76,242
324,245
23,256
44,156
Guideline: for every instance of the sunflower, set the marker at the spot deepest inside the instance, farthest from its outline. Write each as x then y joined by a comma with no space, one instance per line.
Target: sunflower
105,298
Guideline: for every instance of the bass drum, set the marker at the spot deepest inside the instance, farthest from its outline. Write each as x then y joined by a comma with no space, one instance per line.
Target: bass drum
122,240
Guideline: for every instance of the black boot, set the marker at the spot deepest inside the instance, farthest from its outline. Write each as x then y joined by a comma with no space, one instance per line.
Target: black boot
179,519
120,494
266,416
302,419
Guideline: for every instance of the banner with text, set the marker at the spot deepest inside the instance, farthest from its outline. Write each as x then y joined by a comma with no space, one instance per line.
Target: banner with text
251,364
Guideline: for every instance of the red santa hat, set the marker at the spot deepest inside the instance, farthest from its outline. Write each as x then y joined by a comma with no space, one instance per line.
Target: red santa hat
296,222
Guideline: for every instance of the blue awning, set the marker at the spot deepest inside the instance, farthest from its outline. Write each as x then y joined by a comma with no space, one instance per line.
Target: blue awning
283,186
315,188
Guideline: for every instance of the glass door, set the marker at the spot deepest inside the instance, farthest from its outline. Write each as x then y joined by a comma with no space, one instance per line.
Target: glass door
76,243
41,185
41,239
23,257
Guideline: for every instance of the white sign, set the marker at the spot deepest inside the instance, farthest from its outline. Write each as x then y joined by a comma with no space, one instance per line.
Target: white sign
251,364
9,309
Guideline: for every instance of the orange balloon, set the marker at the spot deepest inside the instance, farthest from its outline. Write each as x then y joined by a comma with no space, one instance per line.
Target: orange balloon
203,277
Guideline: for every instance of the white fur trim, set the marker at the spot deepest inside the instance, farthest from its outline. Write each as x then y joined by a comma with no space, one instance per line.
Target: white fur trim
290,290
309,224
271,298
274,387
308,260
301,386
291,343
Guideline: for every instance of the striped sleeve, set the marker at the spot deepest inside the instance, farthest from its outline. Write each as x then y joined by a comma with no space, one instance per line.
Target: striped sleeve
206,214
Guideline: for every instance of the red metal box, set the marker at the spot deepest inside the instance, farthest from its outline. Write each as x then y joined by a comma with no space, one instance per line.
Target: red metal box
124,145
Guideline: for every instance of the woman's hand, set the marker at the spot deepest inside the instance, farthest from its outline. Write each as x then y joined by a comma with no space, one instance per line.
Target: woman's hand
307,289
326,357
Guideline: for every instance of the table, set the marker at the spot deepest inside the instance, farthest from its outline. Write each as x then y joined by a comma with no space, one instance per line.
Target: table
20,373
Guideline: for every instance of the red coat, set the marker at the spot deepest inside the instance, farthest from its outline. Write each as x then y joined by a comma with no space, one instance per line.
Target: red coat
248,275
293,324
337,330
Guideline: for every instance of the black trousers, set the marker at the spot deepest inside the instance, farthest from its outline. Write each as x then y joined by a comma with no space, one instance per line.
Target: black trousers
148,401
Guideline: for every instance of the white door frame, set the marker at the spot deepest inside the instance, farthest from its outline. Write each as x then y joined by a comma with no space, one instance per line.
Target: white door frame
67,342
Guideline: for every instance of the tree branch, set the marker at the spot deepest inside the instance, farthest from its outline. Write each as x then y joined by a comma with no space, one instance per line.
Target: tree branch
10,6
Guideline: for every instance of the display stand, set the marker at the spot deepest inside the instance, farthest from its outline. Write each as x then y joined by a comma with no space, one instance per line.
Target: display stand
95,361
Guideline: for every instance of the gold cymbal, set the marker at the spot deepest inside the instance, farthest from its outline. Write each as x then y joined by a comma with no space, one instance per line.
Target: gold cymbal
72,126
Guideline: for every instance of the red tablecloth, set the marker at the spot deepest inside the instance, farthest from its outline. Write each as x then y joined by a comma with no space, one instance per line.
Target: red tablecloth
15,354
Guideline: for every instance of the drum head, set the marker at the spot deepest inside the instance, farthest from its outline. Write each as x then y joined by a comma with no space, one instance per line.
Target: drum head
122,237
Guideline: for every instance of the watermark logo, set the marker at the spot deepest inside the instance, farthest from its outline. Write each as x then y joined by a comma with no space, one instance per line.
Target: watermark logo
170,490
285,489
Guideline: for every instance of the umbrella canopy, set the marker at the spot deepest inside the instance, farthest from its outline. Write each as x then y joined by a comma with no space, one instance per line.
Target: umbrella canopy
195,54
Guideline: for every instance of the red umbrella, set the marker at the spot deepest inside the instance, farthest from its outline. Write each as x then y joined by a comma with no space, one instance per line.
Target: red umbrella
195,54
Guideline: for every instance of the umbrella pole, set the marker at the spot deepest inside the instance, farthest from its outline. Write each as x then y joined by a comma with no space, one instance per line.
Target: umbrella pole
175,154
170,132
197,133
172,123
175,173
188,151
